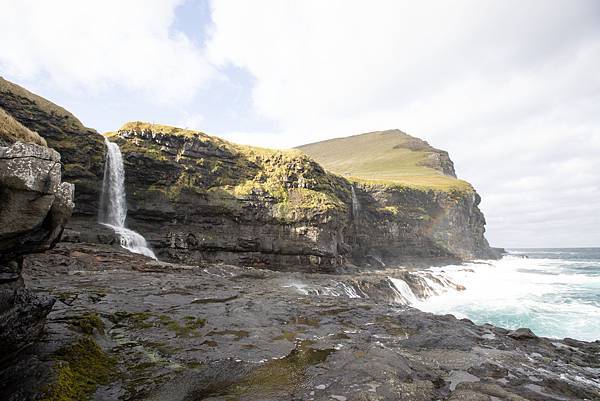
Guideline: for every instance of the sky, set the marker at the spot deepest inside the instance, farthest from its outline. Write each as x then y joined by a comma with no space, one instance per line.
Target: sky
510,88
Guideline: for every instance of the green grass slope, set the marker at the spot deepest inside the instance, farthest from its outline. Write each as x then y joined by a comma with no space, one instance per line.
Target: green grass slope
11,131
386,157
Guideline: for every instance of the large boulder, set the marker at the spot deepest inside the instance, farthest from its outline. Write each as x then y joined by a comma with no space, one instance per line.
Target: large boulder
35,208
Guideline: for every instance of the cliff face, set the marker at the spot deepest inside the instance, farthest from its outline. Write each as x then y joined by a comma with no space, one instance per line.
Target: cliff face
398,223
410,203
35,207
201,199
81,149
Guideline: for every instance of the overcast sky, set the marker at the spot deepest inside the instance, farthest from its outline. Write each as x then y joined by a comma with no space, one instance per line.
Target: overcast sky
510,88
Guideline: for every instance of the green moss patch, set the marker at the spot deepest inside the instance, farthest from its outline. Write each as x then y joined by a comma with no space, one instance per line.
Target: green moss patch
280,376
137,320
87,323
80,368
188,328
145,320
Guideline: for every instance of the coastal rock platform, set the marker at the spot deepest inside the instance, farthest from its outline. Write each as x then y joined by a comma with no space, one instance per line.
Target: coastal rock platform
130,328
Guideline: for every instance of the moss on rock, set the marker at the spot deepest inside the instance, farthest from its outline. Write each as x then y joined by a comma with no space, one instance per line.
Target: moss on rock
80,368
88,323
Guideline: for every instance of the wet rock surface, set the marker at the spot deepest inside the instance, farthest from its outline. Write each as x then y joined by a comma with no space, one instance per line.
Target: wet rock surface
175,332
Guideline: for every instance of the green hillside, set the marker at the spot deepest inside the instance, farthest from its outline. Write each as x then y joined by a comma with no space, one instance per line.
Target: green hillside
390,157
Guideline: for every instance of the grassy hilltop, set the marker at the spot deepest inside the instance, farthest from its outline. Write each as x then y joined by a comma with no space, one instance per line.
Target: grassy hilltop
387,157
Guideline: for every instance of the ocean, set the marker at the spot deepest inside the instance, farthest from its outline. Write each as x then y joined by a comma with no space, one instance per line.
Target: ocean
554,292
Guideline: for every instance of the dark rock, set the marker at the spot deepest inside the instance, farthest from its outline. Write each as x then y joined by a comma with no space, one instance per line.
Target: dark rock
522,334
82,149
35,208
22,318
224,332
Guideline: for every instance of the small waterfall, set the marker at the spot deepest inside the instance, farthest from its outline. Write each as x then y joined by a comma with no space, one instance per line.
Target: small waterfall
405,294
113,203
395,286
355,204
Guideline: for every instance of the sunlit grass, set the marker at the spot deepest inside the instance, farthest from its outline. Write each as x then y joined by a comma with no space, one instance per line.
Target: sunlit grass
386,157
11,131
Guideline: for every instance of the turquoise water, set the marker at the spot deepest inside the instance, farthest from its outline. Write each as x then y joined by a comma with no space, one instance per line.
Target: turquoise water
554,292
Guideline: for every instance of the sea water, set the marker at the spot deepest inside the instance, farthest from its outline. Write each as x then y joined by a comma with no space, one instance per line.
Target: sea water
554,292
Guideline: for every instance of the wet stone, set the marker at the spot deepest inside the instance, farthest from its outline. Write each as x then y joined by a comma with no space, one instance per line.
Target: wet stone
262,339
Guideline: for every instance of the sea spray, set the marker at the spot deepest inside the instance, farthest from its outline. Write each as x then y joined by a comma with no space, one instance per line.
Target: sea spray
394,285
113,202
554,292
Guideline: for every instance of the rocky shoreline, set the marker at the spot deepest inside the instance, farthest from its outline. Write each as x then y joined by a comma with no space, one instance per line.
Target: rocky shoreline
219,332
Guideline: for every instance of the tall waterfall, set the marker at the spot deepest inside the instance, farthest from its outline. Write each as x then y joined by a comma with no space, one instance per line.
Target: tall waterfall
113,203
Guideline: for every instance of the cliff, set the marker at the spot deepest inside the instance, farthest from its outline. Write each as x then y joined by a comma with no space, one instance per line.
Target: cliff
35,205
408,201
81,149
198,198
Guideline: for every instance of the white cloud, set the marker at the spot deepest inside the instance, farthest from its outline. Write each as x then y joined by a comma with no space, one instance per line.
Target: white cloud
510,88
99,45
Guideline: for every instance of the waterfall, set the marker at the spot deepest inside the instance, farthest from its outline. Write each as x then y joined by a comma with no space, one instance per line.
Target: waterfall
113,203
355,204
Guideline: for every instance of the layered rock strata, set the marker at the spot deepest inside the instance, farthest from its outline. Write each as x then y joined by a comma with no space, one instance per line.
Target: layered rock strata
201,199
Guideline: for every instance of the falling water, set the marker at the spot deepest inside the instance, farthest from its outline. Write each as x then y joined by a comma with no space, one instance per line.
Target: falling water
355,204
113,203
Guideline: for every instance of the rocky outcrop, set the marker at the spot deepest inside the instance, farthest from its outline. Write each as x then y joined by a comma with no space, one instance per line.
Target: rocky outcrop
199,199
81,149
35,207
395,224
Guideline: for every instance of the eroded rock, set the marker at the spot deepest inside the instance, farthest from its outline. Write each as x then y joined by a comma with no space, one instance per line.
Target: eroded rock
35,208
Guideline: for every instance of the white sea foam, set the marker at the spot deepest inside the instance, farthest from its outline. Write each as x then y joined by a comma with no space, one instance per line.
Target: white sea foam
543,294
403,290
